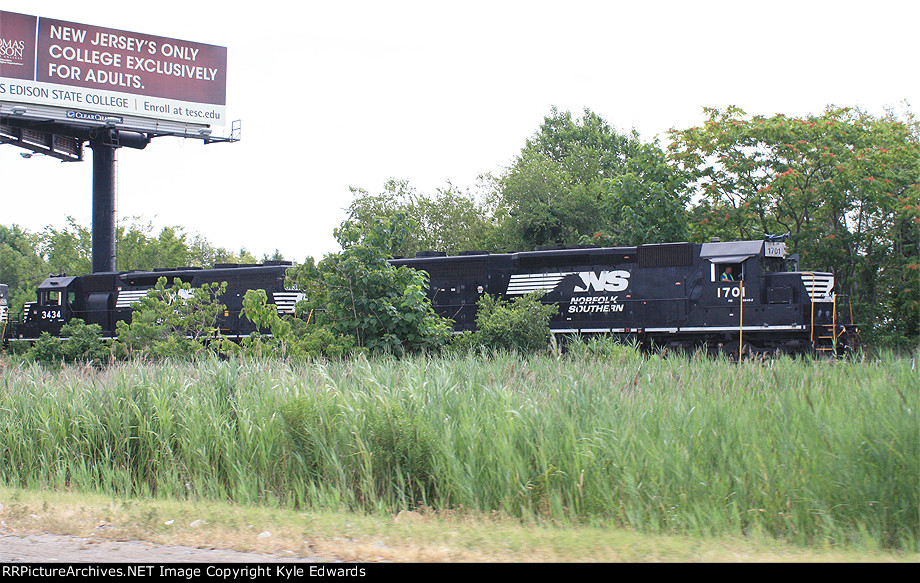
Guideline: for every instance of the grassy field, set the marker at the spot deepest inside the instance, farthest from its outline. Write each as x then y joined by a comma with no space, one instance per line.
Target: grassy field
813,454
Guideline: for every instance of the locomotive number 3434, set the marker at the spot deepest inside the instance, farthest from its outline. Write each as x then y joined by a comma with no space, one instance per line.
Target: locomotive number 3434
51,314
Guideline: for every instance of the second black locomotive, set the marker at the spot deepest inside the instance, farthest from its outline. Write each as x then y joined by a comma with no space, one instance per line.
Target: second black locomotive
107,298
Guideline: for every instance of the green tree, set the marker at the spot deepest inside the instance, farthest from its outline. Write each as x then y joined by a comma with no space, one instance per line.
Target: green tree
137,249
178,321
384,308
69,250
21,266
843,184
546,205
646,204
449,220
579,180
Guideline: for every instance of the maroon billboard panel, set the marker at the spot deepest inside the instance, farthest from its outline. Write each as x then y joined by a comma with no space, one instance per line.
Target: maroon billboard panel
96,69
127,62
17,45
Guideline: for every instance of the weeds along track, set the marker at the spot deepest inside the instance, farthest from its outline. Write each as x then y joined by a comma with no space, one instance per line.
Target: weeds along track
805,451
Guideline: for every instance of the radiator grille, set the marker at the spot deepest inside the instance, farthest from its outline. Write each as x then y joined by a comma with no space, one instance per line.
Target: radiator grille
672,255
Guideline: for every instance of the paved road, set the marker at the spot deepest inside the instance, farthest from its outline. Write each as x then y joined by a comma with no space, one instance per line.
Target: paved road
50,548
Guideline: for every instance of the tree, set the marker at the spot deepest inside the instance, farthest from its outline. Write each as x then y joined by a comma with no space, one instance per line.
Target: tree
843,184
21,266
136,249
646,204
178,321
579,180
450,220
384,308
68,250
546,205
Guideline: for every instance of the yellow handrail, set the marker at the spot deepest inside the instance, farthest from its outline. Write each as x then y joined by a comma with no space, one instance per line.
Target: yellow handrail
811,301
741,321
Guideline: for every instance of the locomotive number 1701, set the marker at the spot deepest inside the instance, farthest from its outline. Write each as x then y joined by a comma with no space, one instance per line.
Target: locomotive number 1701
728,291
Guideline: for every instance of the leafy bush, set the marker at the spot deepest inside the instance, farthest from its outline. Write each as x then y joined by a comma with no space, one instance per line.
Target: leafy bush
48,350
521,325
83,343
78,343
288,337
175,322
359,294
19,347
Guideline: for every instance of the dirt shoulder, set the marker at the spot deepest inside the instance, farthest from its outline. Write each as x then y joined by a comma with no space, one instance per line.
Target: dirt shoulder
68,527
51,548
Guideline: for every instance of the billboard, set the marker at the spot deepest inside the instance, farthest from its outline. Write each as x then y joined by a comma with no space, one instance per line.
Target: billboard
95,73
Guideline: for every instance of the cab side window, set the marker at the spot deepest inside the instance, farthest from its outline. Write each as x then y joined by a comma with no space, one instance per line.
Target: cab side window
51,298
727,272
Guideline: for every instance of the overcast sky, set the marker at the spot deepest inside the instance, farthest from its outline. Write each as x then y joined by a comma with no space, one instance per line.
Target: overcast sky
351,93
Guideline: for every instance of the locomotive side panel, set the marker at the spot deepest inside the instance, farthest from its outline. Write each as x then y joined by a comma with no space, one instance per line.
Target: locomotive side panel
680,294
107,298
455,284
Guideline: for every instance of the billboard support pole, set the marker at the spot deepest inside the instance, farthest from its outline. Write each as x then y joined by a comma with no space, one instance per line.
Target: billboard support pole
103,205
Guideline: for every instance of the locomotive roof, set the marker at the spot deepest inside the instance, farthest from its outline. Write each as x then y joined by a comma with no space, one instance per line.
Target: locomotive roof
731,251
216,267
719,252
56,282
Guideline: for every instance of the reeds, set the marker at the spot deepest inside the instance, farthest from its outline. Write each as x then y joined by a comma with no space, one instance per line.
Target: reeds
811,452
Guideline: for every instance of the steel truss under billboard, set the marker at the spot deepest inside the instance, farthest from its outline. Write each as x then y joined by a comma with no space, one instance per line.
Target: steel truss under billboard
89,75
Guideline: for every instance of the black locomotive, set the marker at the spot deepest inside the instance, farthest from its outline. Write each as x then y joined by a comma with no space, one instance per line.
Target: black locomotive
726,296
4,308
106,298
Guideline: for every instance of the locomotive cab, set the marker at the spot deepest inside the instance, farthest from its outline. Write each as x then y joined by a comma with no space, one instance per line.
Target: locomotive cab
4,306
53,308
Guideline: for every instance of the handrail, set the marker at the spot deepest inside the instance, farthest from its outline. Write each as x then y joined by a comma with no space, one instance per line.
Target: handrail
811,301
741,321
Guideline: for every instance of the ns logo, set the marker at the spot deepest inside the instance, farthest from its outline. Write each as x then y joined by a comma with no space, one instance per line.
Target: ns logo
605,281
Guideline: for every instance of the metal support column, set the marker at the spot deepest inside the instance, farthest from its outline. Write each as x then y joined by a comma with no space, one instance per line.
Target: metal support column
103,205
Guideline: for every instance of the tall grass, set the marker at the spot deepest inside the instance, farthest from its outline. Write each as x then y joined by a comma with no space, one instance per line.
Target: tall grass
811,452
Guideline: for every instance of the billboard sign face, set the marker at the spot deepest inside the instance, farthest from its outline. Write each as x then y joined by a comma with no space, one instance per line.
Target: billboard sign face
97,72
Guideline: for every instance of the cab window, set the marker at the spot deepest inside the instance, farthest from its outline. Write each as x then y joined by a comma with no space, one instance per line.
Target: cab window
727,272
51,298
774,264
